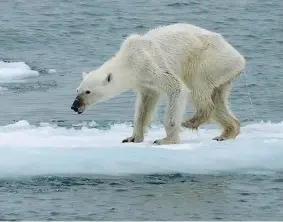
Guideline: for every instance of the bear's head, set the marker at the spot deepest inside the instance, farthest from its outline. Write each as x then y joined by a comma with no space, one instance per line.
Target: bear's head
106,82
119,74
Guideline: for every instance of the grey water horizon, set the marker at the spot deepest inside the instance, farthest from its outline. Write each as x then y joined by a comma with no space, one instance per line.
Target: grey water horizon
60,40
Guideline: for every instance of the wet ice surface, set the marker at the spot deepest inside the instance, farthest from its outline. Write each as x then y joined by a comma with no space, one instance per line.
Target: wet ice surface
50,149
51,172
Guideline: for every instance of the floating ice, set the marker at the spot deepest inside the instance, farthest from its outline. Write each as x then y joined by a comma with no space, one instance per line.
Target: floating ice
15,71
47,149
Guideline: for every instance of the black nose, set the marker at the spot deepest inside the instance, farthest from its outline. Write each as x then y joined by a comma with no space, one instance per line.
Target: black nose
75,105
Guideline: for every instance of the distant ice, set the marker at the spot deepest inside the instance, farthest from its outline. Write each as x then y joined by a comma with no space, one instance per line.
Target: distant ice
3,89
52,70
15,71
30,150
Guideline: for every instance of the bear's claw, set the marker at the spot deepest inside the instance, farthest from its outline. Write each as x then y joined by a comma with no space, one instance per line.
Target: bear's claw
132,139
165,141
219,138
157,142
129,140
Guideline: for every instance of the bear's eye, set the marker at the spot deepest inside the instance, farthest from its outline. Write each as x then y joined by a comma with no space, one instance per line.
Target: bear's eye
109,77
87,92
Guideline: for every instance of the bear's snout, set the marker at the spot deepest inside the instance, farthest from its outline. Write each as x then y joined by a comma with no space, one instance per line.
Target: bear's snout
75,105
78,105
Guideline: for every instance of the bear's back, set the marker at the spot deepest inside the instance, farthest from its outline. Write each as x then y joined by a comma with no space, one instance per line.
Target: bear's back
180,39
177,31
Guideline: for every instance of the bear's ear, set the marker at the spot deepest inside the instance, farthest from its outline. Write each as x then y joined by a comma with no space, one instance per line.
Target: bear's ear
85,74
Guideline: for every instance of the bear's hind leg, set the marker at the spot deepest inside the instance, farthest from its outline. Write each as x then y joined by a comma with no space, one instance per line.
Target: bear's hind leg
204,107
145,105
222,115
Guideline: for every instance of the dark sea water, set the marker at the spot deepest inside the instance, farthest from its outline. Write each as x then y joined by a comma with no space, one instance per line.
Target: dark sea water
57,165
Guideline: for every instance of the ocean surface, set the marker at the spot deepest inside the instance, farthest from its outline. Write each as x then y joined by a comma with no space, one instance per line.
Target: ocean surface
57,165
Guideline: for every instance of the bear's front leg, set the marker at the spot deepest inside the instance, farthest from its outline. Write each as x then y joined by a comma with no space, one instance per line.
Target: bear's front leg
173,115
145,106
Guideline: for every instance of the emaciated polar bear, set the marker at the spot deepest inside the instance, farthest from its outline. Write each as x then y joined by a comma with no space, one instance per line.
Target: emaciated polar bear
181,60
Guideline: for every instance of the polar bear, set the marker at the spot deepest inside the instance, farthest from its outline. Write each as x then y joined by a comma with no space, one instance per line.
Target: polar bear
182,61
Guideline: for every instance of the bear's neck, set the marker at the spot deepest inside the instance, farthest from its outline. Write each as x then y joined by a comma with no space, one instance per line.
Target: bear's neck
125,78
127,81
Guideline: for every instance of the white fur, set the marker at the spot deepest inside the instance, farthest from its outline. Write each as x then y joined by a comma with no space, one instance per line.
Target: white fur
173,60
